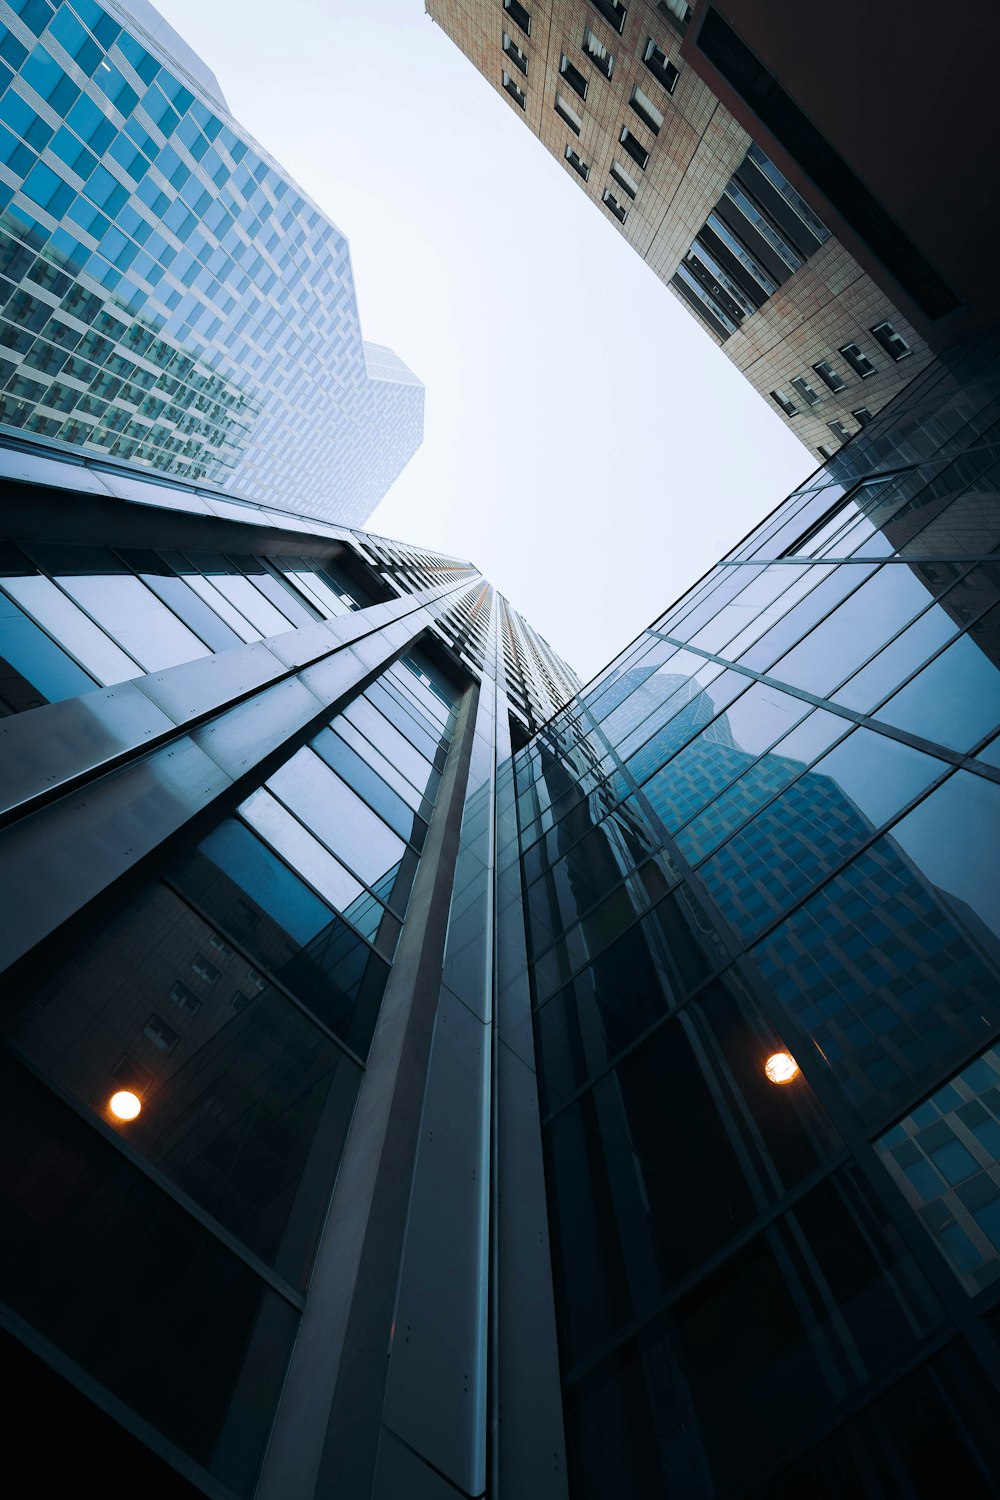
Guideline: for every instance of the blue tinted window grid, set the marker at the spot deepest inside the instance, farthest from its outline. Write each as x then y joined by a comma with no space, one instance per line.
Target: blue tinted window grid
285,299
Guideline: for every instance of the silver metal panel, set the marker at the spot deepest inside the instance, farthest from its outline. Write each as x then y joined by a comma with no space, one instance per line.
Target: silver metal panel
198,687
328,680
297,648
436,1389
34,468
532,1446
59,741
238,738
54,862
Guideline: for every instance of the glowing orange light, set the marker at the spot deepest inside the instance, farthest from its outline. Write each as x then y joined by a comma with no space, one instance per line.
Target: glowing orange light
124,1105
781,1067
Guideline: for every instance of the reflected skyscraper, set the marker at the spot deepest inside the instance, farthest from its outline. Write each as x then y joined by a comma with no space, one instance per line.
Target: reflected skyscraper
168,295
411,1013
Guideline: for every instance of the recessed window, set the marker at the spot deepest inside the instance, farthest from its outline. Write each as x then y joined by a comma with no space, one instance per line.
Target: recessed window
513,51
839,430
892,342
787,406
624,179
829,375
804,389
516,93
162,1036
634,147
659,65
598,53
858,360
612,11
204,969
646,110
577,162
573,77
677,11
611,202
862,416
186,998
221,946
569,114
518,15
824,451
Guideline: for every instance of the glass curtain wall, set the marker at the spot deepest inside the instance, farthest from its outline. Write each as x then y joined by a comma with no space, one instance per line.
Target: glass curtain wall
207,1046
760,884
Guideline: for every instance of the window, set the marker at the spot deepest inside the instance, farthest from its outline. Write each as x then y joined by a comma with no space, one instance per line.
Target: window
862,416
612,11
634,147
839,430
677,11
824,451
577,162
518,15
858,360
646,110
660,66
185,998
624,179
221,946
516,93
788,407
829,376
892,342
162,1036
569,114
597,52
573,77
805,390
204,969
513,51
610,201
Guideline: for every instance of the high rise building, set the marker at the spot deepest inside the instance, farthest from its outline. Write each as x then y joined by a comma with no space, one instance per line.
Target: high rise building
168,295
424,1076
828,294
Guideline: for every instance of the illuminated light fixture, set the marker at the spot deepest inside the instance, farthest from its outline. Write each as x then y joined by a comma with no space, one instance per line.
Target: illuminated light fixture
781,1067
124,1105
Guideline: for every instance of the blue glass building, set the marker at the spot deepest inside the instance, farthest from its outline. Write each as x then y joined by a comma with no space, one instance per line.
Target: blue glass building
168,295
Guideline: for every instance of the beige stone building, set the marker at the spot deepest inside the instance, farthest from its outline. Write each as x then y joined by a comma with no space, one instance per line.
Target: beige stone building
605,87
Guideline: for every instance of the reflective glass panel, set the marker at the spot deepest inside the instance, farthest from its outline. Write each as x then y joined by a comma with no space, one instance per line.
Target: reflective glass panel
956,700
136,619
337,816
95,651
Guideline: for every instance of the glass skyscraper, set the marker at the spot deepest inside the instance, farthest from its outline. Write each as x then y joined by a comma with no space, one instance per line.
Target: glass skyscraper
424,1076
168,295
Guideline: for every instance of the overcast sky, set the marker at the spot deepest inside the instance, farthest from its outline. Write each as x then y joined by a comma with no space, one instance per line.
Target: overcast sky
585,442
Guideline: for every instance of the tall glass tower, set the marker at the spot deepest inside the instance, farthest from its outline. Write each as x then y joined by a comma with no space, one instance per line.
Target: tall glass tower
167,294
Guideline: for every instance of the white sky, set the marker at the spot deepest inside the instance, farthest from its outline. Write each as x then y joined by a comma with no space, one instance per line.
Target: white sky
585,442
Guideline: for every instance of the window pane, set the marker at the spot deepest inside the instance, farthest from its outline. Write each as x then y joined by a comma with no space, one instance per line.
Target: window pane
287,837
952,840
337,816
136,619
855,630
392,743
251,603
956,700
363,768
30,651
233,1112
811,828
50,607
214,1338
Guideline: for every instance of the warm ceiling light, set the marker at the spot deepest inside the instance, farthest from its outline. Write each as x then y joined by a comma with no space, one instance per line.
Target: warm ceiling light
781,1067
124,1105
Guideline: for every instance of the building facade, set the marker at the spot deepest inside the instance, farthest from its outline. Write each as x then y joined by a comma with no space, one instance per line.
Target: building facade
814,291
168,295
424,1076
